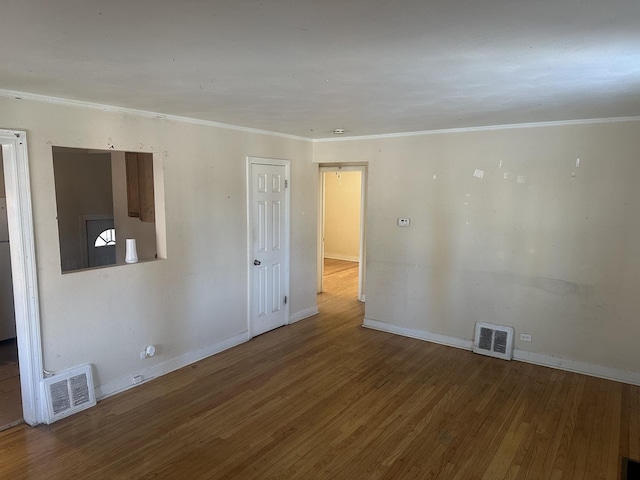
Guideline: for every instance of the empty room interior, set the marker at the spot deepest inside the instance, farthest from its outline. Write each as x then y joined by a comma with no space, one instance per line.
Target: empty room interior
320,240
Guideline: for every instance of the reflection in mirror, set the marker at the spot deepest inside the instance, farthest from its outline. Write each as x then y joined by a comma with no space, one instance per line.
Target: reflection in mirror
103,197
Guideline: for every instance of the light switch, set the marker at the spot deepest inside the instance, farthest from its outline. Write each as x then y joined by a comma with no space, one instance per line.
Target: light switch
404,222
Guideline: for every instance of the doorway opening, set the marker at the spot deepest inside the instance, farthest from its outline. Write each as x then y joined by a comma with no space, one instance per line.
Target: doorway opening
10,399
341,250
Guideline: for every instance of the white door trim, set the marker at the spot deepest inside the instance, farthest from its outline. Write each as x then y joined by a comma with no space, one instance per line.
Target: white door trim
362,168
287,233
23,267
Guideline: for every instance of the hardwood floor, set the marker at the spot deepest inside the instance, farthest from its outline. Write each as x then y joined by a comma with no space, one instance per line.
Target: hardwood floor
327,399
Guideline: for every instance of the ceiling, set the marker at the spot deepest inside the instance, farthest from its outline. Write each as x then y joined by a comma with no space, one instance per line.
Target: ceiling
305,67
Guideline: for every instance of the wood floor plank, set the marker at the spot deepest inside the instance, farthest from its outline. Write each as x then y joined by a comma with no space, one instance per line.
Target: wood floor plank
546,421
613,408
325,398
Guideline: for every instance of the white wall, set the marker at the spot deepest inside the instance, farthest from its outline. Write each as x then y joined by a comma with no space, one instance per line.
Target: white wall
554,254
342,215
537,243
198,296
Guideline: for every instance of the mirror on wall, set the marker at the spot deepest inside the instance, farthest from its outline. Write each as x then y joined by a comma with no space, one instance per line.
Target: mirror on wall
104,197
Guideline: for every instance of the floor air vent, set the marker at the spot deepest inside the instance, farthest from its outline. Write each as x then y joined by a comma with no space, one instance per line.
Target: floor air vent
493,340
68,392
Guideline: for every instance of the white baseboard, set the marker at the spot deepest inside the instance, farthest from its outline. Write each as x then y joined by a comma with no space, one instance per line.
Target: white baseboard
337,256
126,382
419,334
302,314
593,370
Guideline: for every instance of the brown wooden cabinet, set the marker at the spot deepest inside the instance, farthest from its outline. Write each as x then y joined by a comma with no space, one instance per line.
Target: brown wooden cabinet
140,199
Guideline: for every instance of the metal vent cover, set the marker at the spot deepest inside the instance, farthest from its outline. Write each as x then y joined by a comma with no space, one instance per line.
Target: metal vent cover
493,340
68,392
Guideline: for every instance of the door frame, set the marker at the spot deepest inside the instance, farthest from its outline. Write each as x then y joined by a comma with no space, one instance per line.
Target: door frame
323,169
287,234
23,268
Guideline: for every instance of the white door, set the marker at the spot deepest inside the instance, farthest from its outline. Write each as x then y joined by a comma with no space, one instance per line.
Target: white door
269,217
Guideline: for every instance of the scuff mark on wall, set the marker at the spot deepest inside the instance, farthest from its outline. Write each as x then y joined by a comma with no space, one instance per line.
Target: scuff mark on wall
551,285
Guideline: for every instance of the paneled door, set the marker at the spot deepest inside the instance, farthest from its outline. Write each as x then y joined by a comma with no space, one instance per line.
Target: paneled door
269,246
101,242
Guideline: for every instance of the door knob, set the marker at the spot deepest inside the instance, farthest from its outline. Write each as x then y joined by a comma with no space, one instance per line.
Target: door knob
257,262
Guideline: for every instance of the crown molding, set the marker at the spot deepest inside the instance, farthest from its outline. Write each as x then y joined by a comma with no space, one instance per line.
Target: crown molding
195,121
558,123
141,113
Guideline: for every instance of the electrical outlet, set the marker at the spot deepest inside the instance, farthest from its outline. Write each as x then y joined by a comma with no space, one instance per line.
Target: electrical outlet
525,337
404,222
149,351
137,379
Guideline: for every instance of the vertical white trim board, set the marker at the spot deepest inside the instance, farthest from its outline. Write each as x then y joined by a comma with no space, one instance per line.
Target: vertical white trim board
544,360
23,267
